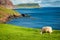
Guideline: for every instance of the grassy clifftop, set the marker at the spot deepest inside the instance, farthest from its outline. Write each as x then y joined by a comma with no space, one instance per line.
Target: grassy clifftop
7,11
6,14
10,32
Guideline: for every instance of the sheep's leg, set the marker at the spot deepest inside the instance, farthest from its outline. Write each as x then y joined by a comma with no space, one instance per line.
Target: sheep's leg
42,32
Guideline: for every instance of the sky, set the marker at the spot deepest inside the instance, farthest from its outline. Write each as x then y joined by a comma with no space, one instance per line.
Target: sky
43,3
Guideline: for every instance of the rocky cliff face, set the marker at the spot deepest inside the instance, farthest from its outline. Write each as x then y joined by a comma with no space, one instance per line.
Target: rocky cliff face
7,14
6,3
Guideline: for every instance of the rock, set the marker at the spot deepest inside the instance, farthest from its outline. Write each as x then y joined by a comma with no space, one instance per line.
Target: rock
25,15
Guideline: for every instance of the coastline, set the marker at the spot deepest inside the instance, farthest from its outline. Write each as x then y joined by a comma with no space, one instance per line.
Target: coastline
7,14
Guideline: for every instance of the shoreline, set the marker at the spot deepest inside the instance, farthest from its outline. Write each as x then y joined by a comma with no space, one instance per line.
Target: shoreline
8,18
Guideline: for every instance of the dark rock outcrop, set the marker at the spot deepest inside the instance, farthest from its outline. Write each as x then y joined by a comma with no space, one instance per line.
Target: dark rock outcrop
25,15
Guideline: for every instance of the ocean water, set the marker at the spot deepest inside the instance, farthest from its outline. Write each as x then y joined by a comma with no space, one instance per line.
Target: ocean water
39,17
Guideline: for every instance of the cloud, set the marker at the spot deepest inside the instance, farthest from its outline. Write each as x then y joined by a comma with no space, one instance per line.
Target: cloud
43,3
22,1
50,3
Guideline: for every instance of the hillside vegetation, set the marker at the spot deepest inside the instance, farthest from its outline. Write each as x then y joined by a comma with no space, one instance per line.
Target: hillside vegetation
28,5
6,14
10,32
7,11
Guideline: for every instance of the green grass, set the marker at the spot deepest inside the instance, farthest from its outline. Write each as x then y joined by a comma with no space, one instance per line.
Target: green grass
10,32
7,11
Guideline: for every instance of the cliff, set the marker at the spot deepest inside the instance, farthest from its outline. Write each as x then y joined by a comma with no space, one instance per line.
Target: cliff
6,3
7,14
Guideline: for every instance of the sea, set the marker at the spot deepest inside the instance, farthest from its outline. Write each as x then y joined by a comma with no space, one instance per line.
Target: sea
39,17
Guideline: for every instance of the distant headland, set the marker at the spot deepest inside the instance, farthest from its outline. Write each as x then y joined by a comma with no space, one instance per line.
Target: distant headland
27,5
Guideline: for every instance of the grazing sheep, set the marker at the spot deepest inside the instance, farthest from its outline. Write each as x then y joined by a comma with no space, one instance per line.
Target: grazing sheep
46,29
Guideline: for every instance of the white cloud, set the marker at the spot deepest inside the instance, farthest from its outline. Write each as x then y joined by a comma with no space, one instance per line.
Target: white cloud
50,3
23,1
43,3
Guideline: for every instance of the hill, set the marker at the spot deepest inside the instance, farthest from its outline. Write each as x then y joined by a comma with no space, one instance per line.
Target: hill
10,32
28,5
5,14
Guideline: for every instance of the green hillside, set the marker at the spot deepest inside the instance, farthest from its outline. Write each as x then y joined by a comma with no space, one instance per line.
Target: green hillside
7,14
7,11
10,32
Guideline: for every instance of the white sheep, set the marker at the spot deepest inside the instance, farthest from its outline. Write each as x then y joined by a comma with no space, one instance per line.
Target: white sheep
46,29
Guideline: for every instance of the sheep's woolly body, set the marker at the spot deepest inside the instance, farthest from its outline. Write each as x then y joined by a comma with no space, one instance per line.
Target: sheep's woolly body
47,29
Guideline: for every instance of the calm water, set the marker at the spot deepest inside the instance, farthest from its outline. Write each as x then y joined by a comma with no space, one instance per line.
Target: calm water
39,17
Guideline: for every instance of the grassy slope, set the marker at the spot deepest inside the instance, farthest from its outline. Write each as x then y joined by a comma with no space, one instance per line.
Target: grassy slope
10,32
6,11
